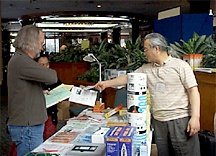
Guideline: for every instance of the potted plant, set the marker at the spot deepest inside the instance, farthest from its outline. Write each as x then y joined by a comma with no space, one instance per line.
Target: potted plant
69,64
114,57
126,58
193,50
209,59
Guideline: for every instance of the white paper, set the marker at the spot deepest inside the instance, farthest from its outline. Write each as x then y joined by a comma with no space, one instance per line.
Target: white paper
58,94
83,96
88,87
206,70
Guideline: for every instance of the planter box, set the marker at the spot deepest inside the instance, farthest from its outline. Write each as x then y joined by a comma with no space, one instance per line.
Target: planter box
68,72
194,60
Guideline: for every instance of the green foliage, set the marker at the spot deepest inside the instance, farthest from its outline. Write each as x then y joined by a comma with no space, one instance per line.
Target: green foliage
198,45
111,56
195,45
92,75
135,55
71,54
116,57
124,58
209,60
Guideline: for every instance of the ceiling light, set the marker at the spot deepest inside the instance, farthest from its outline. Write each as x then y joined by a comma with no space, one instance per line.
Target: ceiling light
98,6
210,12
74,30
89,18
74,25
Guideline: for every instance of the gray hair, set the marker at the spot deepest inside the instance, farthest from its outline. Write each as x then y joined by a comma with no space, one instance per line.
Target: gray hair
157,39
27,39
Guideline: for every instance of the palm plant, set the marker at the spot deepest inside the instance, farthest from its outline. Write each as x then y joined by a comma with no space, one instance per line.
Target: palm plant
135,55
116,57
71,54
209,60
195,45
198,45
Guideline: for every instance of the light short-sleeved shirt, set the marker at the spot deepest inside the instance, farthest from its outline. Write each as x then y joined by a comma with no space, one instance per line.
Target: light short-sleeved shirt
168,86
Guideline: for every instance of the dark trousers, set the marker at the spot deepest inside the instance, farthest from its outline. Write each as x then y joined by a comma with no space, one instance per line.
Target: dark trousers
172,139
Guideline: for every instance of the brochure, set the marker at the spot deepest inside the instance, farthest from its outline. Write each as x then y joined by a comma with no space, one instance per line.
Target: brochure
58,94
83,96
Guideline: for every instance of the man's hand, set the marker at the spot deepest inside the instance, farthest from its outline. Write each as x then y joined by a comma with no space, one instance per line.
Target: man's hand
101,85
193,126
46,92
120,80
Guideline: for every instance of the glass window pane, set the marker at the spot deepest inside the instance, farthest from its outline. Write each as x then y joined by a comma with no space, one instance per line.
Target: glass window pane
52,45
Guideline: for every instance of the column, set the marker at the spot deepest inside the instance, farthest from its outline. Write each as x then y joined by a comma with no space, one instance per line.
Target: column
116,35
135,30
104,36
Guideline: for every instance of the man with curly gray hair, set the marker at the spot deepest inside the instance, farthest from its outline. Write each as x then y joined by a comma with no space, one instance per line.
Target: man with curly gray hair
26,101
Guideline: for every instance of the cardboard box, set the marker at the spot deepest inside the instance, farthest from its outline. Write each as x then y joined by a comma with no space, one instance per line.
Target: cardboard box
112,141
126,141
119,141
63,110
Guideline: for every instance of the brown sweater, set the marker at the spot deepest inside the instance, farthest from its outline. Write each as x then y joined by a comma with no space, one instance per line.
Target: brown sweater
26,101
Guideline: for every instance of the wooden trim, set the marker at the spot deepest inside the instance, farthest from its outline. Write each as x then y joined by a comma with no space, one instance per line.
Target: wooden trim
207,89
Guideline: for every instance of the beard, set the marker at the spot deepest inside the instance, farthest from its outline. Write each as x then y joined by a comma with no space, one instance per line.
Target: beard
37,54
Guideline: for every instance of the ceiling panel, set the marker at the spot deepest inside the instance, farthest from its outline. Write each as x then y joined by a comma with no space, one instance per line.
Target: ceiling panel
14,9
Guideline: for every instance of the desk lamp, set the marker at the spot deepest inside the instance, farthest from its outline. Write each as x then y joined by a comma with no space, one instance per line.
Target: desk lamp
91,58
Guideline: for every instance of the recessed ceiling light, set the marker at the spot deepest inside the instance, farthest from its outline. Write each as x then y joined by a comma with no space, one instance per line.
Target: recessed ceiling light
91,18
98,6
74,25
76,31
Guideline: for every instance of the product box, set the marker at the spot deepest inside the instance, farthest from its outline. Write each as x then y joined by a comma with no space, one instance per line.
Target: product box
112,141
87,150
125,141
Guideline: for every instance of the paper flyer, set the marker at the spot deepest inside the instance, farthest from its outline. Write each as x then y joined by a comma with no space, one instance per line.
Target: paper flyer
58,94
83,96
52,148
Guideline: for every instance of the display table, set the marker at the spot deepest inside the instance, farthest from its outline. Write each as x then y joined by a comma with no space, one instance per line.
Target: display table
79,130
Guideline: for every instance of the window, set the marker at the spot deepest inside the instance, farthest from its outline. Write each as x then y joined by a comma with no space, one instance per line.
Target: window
52,45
